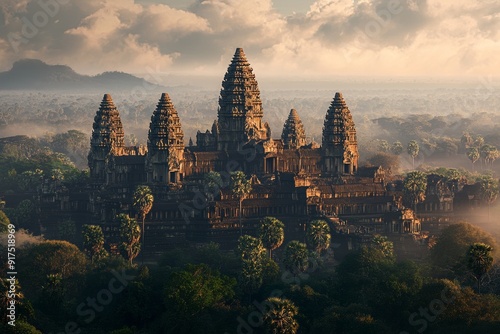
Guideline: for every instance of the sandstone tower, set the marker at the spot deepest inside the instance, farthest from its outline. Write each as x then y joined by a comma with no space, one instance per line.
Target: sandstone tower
339,144
107,139
165,158
240,107
293,135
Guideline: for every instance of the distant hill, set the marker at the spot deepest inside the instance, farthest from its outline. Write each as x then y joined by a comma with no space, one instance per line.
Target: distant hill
34,74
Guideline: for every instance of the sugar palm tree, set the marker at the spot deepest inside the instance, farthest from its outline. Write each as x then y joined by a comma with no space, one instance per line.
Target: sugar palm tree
143,202
272,233
414,188
241,187
296,257
318,235
412,150
280,318
130,233
479,261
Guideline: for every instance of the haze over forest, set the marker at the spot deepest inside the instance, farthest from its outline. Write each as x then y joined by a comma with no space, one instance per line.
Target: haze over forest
390,226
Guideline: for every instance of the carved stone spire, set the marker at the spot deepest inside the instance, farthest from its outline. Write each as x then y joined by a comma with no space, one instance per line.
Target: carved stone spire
340,147
165,143
107,137
240,107
293,134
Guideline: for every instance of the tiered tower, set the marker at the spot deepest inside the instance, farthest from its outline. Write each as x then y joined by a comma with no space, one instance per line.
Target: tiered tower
340,147
165,159
294,135
240,108
107,139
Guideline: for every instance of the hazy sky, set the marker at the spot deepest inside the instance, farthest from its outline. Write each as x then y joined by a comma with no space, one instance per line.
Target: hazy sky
309,39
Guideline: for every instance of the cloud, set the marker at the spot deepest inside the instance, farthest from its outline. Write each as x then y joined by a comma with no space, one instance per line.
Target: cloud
368,37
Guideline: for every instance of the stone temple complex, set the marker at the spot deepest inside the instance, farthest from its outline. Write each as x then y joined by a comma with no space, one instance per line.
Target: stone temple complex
292,179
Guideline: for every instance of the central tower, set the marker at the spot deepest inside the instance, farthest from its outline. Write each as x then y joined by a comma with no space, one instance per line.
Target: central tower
340,147
239,118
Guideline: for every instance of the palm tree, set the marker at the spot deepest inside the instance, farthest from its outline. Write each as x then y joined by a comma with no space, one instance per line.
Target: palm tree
479,261
318,235
473,155
280,318
296,258
412,150
130,232
414,187
397,148
143,203
489,190
252,255
272,233
213,184
93,242
241,187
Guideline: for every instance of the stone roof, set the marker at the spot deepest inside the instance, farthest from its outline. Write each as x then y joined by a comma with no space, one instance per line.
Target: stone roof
240,91
165,128
107,130
240,107
339,133
293,135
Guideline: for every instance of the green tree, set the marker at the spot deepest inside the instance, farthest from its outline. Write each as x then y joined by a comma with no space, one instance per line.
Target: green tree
93,242
489,190
413,150
488,154
383,146
296,258
478,141
4,222
195,289
448,255
143,202
252,255
272,233
397,148
66,229
213,184
49,257
130,233
414,188
466,141
479,261
241,187
473,155
383,244
318,235
280,318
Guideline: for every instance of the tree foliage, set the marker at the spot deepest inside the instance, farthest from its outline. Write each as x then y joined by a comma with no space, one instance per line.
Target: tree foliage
196,288
479,260
414,187
93,242
449,253
252,256
130,233
280,318
413,150
272,233
318,235
296,257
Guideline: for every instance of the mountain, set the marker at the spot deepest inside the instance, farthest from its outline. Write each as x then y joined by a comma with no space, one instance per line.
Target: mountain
34,74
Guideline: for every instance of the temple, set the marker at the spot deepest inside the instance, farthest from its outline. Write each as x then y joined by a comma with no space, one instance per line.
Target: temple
292,179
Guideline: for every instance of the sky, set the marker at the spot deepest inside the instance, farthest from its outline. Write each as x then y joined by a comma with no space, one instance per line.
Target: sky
282,38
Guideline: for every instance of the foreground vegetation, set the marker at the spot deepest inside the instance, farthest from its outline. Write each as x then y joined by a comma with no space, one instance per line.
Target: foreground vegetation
298,288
